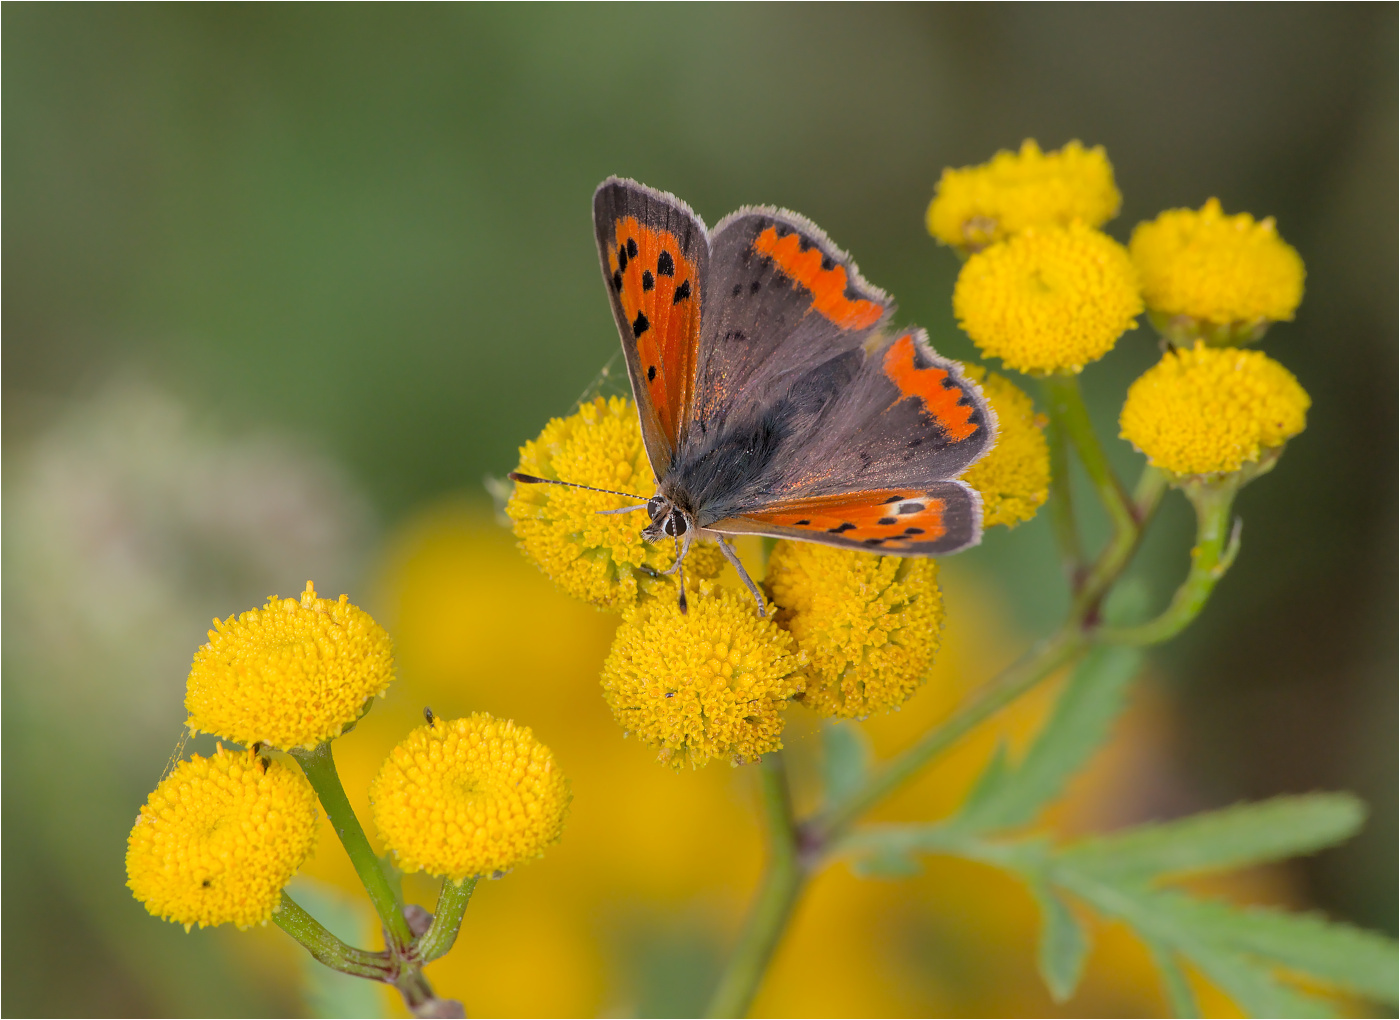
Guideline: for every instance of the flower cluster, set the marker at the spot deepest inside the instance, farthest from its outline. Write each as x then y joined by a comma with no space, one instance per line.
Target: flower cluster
473,796
221,837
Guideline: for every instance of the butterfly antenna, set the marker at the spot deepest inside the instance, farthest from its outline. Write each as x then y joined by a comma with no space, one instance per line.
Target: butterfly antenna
524,479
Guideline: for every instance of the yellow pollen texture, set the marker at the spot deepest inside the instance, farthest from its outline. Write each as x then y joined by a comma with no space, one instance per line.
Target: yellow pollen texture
869,624
709,683
980,205
1014,477
471,796
1049,299
599,558
1210,410
220,838
1217,268
292,674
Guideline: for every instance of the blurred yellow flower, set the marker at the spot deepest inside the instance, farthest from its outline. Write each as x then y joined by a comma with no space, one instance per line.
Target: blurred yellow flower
979,205
1213,270
708,683
1049,299
220,838
292,674
600,558
1208,410
471,796
869,623
1014,478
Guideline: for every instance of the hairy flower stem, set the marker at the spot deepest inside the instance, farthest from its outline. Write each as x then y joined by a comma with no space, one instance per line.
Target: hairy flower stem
1040,662
451,905
1217,544
787,872
324,946
319,766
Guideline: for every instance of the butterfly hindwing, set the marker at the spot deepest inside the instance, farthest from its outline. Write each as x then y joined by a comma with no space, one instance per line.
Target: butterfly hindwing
654,253
783,299
931,520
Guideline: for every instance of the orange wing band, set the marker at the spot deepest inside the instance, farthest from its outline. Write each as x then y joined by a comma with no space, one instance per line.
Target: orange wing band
828,286
886,519
932,385
660,295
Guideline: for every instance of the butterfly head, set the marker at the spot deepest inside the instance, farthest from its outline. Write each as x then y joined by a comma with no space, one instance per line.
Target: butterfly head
667,520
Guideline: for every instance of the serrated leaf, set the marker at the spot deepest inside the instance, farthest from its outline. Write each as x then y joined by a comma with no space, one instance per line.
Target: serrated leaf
1245,834
1362,961
845,760
1083,717
1155,914
1063,943
1180,996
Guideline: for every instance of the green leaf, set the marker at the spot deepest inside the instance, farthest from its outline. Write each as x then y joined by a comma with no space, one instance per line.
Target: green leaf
1362,961
845,760
1083,716
1063,943
1245,834
1180,995
1159,917
886,863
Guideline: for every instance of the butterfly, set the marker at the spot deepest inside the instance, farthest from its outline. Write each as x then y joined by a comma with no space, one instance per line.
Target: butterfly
774,398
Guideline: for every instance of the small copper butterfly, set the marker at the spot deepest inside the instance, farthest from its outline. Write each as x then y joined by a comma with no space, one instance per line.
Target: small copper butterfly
773,398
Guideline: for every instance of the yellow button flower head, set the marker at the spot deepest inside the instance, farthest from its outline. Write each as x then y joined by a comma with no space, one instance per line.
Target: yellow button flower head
471,796
1049,299
292,674
1210,410
600,558
220,838
979,205
869,623
708,683
1221,277
1014,478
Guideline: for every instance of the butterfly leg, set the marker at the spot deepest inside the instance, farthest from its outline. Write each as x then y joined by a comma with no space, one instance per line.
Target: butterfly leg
733,558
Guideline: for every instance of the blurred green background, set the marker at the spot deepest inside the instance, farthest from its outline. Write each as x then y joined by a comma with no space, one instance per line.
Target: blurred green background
279,277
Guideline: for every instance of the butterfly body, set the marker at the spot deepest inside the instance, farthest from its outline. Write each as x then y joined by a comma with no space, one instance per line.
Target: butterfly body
773,398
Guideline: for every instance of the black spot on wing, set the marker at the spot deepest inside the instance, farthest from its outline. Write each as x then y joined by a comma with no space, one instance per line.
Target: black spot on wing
631,247
801,524
639,325
651,373
682,292
622,258
617,280
665,265
753,287
648,281
913,531
888,520
841,529
737,288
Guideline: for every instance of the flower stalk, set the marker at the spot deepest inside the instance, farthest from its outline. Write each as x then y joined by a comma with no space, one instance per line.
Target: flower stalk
328,949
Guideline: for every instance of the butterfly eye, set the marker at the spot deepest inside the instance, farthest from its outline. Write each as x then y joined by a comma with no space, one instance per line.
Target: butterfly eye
655,506
675,524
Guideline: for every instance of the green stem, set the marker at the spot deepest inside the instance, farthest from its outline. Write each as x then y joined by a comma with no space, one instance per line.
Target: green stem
1217,544
324,946
1120,549
319,766
768,918
1068,413
1062,519
1036,665
451,905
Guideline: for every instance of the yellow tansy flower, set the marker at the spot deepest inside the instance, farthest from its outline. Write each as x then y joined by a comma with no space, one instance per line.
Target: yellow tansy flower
472,796
600,558
708,683
1049,299
1224,278
979,205
1209,410
220,838
870,624
292,674
1014,478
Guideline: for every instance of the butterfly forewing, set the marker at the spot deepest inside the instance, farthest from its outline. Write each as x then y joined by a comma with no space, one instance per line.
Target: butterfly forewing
654,251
